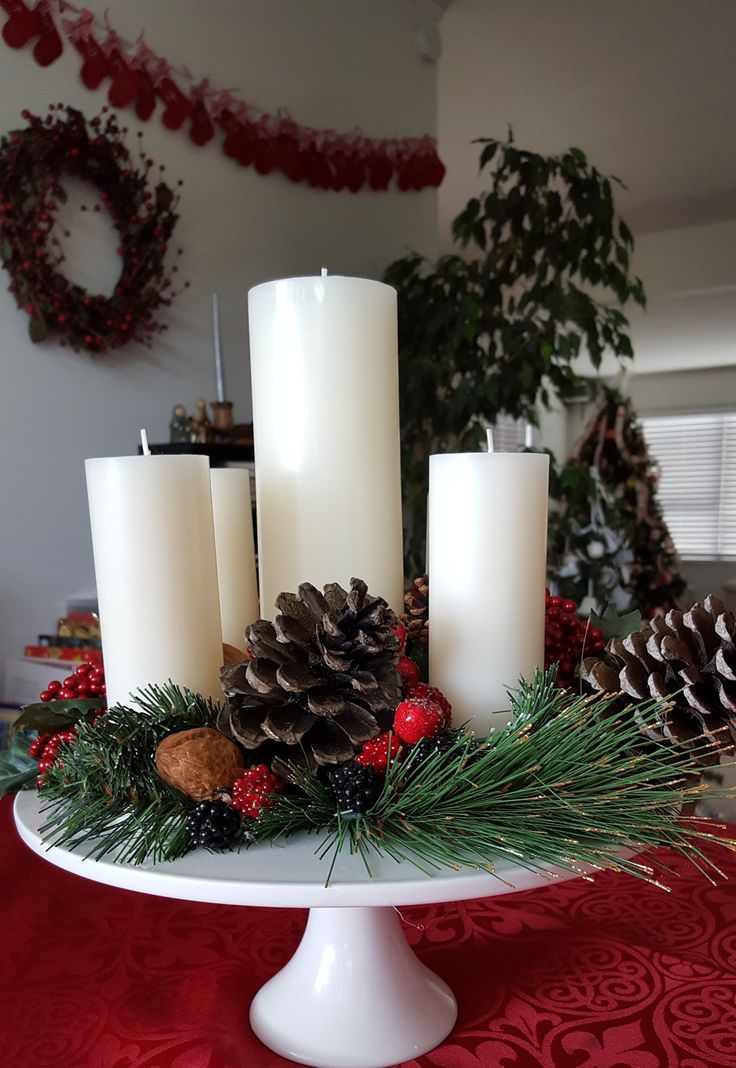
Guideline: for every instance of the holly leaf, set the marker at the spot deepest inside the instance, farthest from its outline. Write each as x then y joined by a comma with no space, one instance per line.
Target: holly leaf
614,625
37,329
55,715
18,770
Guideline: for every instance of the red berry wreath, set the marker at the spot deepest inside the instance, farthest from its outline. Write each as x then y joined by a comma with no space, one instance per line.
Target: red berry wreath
33,162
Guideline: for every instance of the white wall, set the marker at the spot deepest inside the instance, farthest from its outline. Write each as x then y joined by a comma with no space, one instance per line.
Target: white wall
332,64
646,89
643,89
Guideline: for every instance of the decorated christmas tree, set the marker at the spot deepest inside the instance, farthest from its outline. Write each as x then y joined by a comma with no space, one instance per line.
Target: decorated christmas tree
609,542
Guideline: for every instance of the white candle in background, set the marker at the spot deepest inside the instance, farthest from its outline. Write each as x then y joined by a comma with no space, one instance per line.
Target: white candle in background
236,563
324,365
154,550
487,565
217,344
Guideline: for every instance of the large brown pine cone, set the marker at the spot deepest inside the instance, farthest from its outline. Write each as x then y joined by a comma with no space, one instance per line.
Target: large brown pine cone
323,675
689,658
416,610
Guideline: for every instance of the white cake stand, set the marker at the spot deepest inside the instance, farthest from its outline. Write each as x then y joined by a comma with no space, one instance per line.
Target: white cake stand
353,995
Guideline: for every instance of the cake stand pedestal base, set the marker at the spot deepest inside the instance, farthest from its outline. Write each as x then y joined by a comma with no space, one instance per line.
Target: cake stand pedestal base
353,995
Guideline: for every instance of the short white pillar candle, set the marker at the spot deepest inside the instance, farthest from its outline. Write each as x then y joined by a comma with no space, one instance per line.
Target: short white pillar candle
154,550
236,564
487,566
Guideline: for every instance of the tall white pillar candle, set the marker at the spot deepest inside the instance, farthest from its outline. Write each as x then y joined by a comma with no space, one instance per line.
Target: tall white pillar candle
154,550
324,365
487,564
236,562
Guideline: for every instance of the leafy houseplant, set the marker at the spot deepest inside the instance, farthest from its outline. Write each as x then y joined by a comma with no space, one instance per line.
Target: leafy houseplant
541,275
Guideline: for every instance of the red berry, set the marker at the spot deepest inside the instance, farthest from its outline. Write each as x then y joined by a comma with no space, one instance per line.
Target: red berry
83,670
409,672
434,694
569,606
400,631
70,683
83,692
54,686
46,695
37,746
253,791
417,718
555,602
595,634
375,753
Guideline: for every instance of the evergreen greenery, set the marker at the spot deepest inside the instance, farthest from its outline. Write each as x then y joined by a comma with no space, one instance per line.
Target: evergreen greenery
541,274
608,538
104,793
570,782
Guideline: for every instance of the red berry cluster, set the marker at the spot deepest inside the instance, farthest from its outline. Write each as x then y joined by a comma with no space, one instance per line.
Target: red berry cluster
567,638
376,753
45,748
86,681
254,789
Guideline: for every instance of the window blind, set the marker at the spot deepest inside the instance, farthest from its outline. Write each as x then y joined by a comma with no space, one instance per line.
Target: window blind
696,453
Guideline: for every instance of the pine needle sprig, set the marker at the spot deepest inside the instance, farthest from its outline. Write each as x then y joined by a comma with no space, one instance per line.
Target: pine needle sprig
104,794
568,784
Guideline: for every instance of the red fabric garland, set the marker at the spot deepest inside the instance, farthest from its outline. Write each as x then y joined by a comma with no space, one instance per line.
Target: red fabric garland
139,79
610,973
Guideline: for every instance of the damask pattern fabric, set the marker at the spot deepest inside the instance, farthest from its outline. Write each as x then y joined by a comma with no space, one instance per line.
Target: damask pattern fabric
607,973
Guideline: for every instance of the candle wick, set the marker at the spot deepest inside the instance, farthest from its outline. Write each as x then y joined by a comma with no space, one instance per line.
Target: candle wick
324,272
489,438
144,442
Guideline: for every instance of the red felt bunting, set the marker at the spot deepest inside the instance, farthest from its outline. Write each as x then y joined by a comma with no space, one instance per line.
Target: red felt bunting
268,143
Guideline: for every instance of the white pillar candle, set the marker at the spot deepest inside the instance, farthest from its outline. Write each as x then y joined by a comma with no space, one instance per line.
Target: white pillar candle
154,551
324,366
236,562
487,564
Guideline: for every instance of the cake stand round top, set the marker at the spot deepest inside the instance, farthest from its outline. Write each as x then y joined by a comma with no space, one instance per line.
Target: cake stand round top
288,875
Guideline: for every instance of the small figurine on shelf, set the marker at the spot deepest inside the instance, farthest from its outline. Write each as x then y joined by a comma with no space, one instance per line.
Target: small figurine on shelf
199,424
179,426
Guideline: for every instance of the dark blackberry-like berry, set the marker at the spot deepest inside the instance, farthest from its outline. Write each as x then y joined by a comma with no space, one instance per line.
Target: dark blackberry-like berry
356,788
427,747
213,825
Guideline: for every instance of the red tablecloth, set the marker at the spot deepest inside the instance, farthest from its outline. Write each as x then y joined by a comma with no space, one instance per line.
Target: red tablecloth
603,974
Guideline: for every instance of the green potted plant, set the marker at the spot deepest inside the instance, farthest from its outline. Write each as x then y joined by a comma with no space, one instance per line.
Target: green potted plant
541,274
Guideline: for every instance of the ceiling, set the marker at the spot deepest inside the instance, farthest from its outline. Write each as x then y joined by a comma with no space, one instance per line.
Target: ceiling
648,90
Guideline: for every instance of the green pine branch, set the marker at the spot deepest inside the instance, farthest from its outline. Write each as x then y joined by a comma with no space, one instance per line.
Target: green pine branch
105,795
571,783
568,783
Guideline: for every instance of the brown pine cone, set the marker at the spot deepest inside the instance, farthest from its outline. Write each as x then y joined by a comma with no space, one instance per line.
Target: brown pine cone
689,658
322,676
416,610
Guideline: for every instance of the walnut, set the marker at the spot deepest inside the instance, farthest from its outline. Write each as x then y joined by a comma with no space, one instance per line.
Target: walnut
198,762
